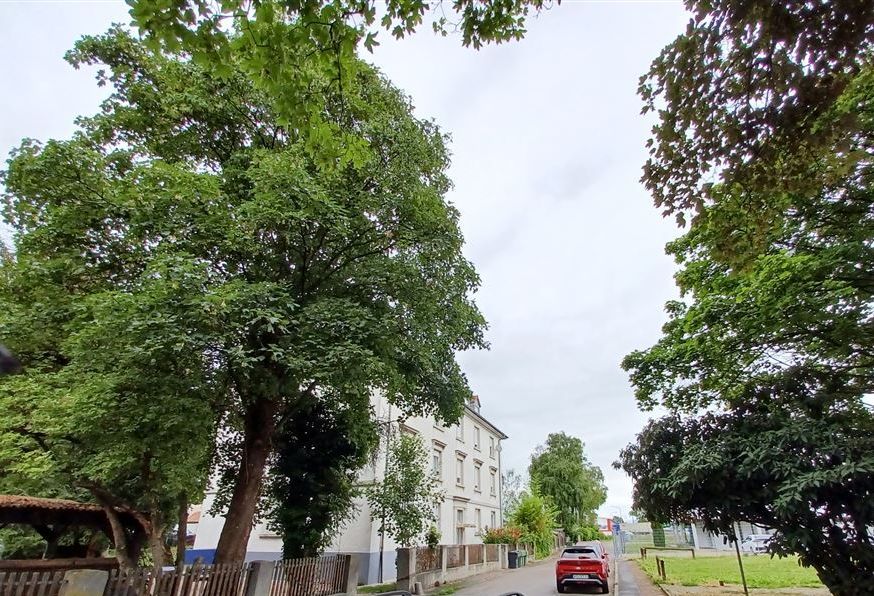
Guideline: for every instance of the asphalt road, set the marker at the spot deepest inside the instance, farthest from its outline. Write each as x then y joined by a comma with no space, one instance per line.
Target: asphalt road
538,579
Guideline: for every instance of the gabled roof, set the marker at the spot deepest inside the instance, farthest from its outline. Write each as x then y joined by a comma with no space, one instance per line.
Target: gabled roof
20,509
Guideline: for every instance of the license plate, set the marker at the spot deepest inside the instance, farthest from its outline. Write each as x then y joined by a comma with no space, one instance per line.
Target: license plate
581,576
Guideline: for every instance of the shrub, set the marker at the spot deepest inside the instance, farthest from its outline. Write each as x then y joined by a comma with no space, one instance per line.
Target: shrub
432,537
508,535
536,517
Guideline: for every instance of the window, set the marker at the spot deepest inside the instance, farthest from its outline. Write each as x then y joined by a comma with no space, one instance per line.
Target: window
476,438
478,519
493,485
459,430
437,463
459,471
492,451
459,526
494,519
477,478
437,515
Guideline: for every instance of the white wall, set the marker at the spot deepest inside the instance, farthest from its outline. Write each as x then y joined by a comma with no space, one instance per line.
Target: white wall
360,534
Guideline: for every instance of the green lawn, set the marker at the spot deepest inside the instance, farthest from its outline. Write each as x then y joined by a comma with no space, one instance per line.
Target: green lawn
761,571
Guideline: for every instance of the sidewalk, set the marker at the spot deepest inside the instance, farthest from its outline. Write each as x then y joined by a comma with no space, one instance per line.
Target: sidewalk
632,581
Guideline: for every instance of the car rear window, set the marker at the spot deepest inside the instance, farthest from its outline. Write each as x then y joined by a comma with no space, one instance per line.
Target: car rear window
579,553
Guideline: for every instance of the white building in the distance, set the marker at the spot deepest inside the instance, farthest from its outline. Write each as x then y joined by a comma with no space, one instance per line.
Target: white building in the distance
465,457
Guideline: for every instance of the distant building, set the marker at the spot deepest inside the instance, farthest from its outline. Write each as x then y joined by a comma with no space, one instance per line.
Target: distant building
605,525
712,540
466,458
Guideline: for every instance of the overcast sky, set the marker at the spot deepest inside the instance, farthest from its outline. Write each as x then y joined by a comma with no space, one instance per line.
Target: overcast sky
548,142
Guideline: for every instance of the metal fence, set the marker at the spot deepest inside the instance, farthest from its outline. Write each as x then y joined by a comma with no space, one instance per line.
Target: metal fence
637,536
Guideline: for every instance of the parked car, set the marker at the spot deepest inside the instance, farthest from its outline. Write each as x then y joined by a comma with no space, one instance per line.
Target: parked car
755,544
583,565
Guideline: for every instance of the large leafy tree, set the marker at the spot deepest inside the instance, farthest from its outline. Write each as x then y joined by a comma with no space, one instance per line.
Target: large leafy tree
186,207
766,360
741,93
562,472
112,407
775,461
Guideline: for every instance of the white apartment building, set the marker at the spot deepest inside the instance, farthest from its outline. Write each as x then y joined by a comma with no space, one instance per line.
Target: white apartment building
466,458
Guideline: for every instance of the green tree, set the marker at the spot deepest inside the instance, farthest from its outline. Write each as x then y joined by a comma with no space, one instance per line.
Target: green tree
775,461
404,501
563,473
536,516
300,52
739,98
126,420
186,207
320,449
764,135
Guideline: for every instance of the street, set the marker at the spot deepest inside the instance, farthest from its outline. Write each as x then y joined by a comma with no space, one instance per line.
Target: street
538,579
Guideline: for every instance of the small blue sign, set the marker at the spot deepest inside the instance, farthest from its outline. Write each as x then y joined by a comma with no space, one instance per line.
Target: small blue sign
616,528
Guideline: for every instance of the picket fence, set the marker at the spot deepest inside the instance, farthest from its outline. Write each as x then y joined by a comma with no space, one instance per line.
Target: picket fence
317,576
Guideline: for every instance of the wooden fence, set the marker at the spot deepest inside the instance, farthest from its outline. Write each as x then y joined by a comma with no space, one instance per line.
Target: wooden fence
492,553
454,556
317,576
30,583
475,554
197,580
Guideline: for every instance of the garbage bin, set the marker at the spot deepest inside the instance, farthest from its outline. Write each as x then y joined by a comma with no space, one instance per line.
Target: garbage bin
513,559
523,558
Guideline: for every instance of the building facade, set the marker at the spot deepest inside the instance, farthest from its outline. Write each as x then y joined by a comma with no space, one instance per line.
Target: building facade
466,459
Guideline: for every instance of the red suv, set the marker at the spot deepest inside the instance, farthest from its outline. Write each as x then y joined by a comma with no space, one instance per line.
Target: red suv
582,566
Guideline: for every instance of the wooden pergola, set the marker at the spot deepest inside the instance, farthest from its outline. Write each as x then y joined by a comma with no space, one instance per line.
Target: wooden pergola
52,518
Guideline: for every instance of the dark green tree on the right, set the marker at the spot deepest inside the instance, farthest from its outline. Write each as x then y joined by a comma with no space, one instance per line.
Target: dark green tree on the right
764,144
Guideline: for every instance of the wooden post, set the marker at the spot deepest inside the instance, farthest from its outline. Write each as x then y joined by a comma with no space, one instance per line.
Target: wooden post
351,575
260,578
406,566
740,563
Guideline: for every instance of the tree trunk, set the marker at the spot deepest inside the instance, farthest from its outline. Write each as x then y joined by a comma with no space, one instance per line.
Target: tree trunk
258,428
156,542
182,532
843,575
126,559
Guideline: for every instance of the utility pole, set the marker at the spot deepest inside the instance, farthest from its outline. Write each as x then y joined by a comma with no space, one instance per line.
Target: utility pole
382,511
